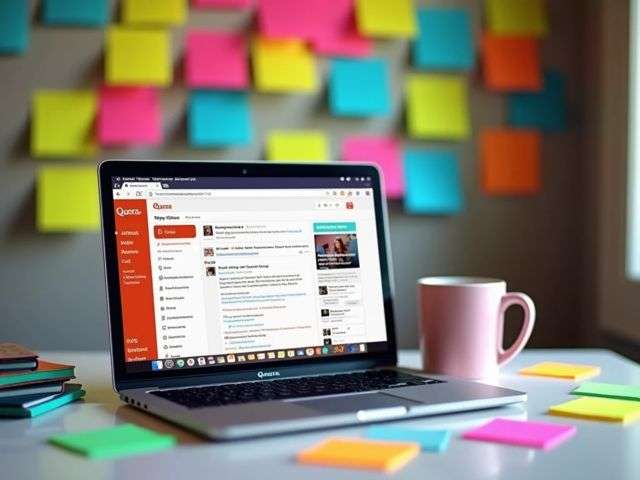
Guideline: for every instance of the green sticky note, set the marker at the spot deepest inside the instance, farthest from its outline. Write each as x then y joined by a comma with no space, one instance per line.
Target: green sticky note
604,409
297,146
611,390
126,439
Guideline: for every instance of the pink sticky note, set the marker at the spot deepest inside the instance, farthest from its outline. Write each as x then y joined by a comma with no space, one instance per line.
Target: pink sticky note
290,18
216,60
528,434
129,116
340,35
221,3
384,152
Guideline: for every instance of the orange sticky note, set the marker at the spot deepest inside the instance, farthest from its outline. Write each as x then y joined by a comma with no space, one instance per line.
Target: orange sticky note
511,63
358,453
568,371
510,161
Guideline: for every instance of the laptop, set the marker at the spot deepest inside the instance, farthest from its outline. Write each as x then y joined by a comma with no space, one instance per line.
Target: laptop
250,299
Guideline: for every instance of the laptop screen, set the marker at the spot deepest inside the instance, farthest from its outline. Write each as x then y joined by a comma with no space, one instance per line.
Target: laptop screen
239,270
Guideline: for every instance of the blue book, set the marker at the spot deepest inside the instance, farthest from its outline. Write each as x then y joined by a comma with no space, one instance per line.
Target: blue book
34,405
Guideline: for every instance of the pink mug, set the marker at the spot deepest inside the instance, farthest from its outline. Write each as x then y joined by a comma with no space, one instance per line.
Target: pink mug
462,325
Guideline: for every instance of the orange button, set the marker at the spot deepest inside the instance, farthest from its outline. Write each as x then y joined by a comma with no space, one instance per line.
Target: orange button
174,231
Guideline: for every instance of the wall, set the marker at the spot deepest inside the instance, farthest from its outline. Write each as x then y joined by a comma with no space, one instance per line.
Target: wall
51,286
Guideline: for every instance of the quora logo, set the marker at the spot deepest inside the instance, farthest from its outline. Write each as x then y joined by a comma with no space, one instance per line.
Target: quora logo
125,212
160,206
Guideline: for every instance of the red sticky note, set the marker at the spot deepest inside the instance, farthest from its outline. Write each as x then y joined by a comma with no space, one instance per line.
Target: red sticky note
385,152
129,116
512,63
340,35
216,60
523,433
221,3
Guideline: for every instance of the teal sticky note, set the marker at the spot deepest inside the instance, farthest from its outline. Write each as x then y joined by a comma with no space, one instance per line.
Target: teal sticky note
219,118
445,40
545,110
14,26
359,87
429,440
432,182
89,13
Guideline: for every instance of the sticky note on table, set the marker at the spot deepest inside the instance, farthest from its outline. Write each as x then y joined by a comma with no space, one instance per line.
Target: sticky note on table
517,17
62,123
510,161
356,453
67,199
609,390
545,110
386,152
283,66
14,26
111,442
89,13
445,40
542,435
386,19
154,12
339,35
569,371
437,107
129,116
297,146
216,60
429,440
138,57
219,118
511,63
221,3
432,182
359,87
604,409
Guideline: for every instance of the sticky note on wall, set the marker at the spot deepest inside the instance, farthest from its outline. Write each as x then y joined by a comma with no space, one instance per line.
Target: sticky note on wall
218,119
92,13
154,12
221,3
386,19
517,17
511,63
283,66
216,60
359,87
297,146
339,35
290,18
545,110
14,26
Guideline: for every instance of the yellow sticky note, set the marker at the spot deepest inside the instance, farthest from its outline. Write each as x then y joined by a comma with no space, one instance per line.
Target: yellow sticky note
437,107
567,371
67,199
138,57
154,12
605,409
62,123
297,146
386,18
517,17
283,66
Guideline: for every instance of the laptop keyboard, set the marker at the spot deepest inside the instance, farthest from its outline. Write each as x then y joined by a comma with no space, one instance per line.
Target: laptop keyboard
235,393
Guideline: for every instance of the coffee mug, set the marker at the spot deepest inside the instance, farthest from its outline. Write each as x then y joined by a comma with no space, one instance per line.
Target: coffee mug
462,325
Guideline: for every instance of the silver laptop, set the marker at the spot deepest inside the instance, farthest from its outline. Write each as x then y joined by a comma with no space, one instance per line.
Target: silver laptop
249,299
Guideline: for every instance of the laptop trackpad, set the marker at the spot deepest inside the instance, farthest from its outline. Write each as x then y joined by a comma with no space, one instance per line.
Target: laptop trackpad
361,403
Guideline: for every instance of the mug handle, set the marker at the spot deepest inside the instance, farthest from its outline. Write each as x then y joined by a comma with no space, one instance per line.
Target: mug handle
524,301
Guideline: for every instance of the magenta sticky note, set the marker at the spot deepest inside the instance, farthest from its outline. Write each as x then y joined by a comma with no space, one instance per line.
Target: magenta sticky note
221,3
386,152
216,60
524,433
339,35
129,116
289,18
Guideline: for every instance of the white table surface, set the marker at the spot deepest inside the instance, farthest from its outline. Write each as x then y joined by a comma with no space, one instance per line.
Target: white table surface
600,450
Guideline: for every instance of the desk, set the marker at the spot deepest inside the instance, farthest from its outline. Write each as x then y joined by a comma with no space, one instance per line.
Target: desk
599,450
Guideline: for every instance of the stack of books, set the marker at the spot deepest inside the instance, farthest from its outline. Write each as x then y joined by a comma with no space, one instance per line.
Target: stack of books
30,386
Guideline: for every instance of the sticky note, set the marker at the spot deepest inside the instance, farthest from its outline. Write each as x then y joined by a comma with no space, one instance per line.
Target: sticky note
89,13
339,35
112,442
216,60
154,12
517,17
14,26
138,57
386,19
437,107
386,152
445,40
541,435
604,409
283,66
297,146
219,118
610,390
221,3
429,440
545,110
511,63
359,87
290,18
129,116
510,161
356,453
62,123
569,371
67,199
432,182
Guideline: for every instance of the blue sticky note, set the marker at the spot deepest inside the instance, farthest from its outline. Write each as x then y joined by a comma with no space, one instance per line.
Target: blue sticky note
445,40
359,87
429,440
545,110
219,118
88,13
432,182
14,26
